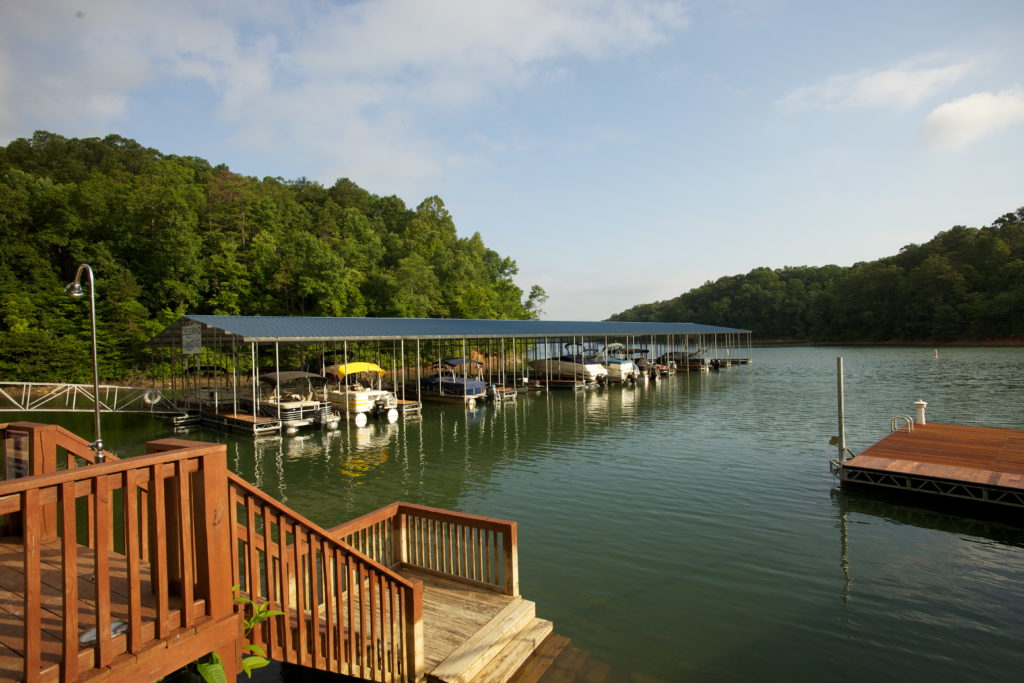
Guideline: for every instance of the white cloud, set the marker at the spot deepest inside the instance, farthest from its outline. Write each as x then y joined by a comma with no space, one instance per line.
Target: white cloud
957,124
353,87
901,86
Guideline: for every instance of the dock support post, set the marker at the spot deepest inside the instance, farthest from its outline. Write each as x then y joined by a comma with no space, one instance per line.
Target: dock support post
840,398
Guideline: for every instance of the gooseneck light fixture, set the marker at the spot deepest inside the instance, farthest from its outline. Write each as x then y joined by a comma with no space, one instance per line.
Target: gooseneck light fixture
75,289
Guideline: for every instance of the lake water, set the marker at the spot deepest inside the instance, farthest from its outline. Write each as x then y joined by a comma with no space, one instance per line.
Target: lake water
689,530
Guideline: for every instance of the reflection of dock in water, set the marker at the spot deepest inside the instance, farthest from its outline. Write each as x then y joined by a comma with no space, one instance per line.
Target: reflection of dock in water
557,660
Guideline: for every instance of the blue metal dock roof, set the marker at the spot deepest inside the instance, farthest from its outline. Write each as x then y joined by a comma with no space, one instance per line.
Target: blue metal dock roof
223,329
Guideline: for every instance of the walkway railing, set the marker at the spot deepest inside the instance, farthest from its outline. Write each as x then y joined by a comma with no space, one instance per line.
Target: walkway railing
471,549
115,556
344,612
29,396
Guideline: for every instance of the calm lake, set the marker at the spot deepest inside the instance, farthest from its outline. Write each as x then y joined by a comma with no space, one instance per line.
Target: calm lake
689,530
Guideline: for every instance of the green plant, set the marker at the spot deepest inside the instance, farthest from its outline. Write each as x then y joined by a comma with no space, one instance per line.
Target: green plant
210,668
260,613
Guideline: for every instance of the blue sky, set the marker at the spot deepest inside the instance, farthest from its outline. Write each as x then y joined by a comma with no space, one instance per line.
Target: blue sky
620,152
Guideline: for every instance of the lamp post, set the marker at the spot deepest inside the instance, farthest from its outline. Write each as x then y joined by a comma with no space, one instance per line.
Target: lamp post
75,289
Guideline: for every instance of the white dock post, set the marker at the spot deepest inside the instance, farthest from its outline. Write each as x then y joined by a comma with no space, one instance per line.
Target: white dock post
842,409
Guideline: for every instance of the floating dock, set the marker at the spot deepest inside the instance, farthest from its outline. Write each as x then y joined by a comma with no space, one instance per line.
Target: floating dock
502,394
409,407
983,464
240,422
574,384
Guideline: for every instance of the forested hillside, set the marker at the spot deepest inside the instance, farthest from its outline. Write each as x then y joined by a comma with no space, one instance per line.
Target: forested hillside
169,235
966,284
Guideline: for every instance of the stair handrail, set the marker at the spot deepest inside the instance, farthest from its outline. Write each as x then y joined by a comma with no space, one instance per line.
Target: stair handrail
471,549
377,636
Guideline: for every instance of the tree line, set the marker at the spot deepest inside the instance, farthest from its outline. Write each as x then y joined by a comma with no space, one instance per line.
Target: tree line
965,284
170,235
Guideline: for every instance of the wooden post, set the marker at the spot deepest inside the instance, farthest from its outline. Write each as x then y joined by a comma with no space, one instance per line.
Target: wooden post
33,587
212,525
211,522
399,539
512,560
170,534
30,449
416,666
44,461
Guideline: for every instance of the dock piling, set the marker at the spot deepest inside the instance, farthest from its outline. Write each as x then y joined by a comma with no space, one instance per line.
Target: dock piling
841,400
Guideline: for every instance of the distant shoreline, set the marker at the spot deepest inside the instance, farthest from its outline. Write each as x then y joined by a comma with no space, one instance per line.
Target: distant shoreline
806,342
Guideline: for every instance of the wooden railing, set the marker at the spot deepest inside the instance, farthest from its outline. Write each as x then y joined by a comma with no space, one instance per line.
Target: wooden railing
344,612
146,550
127,549
471,549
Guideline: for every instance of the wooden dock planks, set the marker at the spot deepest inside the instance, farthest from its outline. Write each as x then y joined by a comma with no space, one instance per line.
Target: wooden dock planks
977,455
452,613
12,645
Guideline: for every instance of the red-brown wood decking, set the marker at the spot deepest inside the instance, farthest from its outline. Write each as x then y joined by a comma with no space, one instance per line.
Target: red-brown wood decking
985,456
52,649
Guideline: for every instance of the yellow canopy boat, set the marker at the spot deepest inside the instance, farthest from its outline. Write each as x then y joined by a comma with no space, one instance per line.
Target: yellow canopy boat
361,398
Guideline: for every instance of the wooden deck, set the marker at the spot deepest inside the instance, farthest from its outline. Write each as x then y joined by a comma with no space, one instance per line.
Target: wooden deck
243,422
409,407
53,621
452,612
144,554
977,463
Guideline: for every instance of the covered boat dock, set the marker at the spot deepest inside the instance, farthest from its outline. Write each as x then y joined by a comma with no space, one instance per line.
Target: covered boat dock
210,365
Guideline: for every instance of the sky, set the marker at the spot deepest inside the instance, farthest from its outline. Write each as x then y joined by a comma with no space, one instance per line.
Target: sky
621,152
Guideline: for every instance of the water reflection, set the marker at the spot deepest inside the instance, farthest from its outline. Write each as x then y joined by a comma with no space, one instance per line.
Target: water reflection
1002,525
448,451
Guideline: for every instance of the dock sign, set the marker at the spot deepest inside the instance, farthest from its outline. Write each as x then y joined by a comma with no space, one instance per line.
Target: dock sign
192,339
16,448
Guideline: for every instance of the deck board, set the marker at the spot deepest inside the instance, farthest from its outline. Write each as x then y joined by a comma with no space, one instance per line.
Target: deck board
242,417
452,612
12,578
979,455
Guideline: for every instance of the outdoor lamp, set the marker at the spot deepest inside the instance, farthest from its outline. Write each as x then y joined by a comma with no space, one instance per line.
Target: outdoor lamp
75,289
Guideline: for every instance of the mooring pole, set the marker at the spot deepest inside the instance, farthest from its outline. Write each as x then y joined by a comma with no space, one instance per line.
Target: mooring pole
842,409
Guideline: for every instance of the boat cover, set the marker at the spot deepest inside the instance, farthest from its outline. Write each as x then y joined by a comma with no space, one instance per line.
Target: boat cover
344,369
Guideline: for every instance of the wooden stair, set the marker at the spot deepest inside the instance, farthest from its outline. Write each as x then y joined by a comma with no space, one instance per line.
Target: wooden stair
496,651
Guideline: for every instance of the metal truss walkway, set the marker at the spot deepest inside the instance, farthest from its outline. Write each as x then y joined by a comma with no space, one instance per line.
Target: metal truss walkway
38,396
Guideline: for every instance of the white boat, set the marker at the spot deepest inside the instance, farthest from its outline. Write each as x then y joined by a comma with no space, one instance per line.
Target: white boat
570,366
645,368
297,399
358,392
620,368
